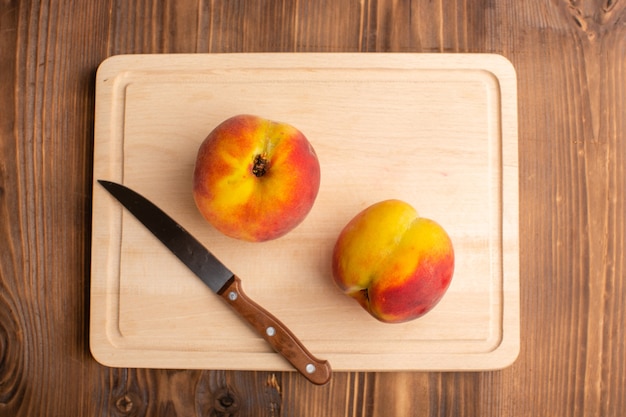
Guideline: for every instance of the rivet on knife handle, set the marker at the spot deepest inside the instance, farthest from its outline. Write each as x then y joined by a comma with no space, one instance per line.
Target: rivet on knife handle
276,334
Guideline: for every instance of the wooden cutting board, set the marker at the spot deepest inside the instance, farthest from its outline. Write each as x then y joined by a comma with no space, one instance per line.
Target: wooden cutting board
436,130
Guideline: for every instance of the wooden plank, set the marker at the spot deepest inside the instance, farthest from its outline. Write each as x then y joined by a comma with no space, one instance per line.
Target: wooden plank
569,58
572,113
438,131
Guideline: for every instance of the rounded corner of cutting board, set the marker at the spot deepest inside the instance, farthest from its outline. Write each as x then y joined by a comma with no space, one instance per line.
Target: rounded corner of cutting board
505,356
109,66
102,350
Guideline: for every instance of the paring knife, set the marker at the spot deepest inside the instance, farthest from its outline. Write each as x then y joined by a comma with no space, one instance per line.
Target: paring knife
221,281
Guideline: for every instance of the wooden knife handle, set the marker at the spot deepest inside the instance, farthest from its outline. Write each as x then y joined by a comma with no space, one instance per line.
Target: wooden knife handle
276,333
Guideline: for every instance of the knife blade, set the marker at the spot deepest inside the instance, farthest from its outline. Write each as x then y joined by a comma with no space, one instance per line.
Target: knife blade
221,281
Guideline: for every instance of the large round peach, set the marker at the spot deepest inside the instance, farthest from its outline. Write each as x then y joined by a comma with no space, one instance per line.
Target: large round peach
255,179
396,264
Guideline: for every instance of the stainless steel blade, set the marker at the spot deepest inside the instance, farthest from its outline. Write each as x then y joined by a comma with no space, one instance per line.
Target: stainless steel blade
182,244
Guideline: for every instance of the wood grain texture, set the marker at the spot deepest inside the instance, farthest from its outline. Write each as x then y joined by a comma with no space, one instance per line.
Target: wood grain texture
570,57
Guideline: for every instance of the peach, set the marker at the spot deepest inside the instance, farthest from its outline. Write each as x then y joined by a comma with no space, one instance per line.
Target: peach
255,179
396,264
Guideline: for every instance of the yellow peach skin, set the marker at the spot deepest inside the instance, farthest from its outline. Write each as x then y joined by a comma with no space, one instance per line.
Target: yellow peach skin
255,179
396,264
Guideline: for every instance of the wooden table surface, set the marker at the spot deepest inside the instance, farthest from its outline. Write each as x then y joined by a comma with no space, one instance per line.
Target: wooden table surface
570,58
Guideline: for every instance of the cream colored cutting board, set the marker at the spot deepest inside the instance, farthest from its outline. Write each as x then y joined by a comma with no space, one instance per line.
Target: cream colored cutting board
438,131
